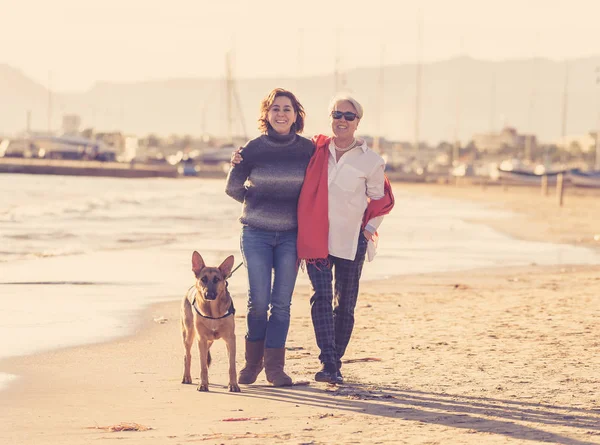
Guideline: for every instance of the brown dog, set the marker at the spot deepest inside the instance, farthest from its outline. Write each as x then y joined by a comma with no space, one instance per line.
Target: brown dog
207,312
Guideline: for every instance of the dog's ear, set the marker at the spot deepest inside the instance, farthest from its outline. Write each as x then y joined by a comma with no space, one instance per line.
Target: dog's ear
226,266
197,263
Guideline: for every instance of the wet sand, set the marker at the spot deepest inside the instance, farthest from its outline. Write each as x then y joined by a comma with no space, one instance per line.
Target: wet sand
487,356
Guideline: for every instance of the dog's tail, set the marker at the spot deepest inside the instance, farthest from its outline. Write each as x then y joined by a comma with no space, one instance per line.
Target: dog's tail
209,360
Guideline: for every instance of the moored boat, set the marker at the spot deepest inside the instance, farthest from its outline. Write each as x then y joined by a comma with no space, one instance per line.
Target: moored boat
580,178
525,177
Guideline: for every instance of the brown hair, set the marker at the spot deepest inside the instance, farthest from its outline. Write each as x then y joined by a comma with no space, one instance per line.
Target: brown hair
267,102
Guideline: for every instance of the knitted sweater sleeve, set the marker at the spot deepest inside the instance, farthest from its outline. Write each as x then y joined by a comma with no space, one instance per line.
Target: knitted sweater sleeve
237,176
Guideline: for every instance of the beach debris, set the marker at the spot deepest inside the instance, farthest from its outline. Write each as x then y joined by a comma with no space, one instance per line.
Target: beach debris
294,348
365,359
301,383
297,356
460,286
123,426
242,419
353,393
367,396
248,435
161,320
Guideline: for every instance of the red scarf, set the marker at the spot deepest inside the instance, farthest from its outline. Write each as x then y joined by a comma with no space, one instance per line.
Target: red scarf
313,208
379,207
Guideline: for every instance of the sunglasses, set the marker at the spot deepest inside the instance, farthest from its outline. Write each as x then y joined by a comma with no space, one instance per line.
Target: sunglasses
348,115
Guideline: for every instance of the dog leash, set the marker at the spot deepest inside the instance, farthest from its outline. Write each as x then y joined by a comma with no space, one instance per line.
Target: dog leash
231,273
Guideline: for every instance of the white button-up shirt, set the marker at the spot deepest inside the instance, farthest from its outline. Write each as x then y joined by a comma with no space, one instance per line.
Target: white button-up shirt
353,180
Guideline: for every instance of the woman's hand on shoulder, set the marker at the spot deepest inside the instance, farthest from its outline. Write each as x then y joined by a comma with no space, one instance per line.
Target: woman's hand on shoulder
236,157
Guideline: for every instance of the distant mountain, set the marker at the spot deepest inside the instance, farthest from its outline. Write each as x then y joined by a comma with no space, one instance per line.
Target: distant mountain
18,94
460,94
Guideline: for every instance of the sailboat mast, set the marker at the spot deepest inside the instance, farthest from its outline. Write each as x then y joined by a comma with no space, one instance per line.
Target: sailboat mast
300,57
233,96
564,113
418,78
597,165
203,119
456,145
529,138
336,68
229,96
240,112
493,101
49,101
380,95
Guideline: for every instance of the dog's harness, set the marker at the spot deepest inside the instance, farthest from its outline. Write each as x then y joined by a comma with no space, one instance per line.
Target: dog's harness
229,312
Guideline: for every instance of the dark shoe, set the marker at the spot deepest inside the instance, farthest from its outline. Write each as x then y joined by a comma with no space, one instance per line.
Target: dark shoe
254,362
327,373
274,363
339,379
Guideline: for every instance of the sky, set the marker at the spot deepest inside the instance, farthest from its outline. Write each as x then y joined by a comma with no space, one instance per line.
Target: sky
71,44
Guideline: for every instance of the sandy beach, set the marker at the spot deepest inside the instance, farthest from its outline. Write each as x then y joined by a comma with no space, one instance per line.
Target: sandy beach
494,356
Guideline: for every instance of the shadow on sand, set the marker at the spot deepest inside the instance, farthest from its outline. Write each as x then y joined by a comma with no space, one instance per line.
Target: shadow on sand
515,419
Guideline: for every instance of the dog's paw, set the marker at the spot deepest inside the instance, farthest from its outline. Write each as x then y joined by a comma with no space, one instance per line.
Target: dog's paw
187,380
203,387
234,388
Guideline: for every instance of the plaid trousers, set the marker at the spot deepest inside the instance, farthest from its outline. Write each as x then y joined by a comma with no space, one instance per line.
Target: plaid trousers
332,306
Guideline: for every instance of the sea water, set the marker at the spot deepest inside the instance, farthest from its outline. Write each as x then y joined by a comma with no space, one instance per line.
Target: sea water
80,256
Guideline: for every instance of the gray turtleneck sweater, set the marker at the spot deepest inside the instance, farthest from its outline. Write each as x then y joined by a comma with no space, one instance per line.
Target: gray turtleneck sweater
269,179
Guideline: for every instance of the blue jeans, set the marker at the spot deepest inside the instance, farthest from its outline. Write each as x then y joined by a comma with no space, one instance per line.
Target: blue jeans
272,263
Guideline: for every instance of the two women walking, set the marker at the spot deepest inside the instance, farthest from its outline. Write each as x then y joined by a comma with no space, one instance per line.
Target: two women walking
320,202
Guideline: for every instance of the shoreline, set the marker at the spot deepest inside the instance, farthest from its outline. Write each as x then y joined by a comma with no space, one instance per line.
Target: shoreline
575,223
465,357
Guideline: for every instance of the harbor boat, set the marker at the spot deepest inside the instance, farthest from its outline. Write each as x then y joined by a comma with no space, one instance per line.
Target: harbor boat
580,178
515,172
57,147
524,177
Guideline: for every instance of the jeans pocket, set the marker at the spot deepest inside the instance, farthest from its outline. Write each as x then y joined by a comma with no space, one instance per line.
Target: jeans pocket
363,243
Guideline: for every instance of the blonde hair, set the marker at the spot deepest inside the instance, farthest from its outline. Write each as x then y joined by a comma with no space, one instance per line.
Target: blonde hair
343,97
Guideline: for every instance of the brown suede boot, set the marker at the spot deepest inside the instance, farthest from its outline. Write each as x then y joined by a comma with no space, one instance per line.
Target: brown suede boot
254,362
274,362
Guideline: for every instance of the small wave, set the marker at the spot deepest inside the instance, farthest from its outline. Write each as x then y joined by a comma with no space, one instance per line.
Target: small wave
57,252
67,283
41,236
16,255
145,242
